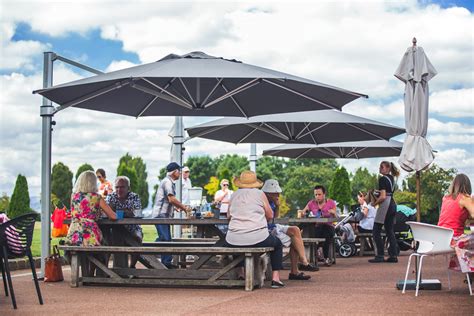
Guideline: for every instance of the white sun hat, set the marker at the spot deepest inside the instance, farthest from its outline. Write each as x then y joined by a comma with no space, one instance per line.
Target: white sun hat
271,186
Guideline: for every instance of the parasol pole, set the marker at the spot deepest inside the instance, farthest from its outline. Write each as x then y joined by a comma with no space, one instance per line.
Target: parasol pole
418,196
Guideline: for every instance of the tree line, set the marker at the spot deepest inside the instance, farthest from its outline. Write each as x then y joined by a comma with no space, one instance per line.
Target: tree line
297,177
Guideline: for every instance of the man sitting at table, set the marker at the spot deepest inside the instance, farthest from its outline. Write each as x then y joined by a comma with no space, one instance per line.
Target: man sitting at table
321,207
164,203
128,202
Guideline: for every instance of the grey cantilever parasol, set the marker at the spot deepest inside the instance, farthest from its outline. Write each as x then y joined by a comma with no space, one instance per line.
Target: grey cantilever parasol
356,150
197,84
316,127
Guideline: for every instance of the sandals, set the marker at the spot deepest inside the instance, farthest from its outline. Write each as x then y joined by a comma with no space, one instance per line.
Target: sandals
299,276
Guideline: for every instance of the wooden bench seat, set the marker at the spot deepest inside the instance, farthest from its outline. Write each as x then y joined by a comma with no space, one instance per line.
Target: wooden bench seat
195,275
367,245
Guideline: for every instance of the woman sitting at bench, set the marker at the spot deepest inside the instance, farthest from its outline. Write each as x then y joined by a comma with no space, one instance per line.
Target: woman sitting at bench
86,206
367,211
248,213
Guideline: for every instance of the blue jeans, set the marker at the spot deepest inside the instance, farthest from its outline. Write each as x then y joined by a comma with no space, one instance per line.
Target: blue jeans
164,234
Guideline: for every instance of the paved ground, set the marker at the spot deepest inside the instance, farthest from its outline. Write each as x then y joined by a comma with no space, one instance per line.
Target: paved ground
352,286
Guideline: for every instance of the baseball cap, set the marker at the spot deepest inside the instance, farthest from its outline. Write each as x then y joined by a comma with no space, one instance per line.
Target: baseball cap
172,166
185,168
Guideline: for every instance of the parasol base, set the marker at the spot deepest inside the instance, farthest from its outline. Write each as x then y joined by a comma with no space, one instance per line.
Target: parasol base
426,284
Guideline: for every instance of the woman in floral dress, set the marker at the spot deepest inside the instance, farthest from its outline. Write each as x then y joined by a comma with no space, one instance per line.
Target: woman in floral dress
86,207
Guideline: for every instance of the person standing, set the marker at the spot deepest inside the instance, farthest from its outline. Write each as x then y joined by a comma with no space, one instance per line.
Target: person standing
222,197
165,202
186,181
385,216
105,186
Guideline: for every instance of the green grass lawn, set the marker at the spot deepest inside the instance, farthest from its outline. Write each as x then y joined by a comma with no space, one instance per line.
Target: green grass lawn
149,234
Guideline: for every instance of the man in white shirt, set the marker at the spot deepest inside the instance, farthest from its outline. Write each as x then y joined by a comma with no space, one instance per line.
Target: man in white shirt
186,186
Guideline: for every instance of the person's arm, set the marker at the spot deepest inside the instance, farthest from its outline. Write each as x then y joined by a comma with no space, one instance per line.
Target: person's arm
267,208
365,210
107,210
381,198
467,202
176,203
220,196
305,209
333,210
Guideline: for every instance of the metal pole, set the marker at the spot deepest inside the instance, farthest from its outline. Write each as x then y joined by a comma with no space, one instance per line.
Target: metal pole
46,113
178,140
253,157
418,196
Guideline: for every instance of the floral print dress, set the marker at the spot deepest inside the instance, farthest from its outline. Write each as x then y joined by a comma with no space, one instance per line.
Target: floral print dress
85,211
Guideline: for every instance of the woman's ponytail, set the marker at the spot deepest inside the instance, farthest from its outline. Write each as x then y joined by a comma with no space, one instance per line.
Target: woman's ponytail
394,170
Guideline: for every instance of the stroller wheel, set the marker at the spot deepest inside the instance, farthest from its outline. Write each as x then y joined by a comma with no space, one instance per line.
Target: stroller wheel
345,250
354,249
404,245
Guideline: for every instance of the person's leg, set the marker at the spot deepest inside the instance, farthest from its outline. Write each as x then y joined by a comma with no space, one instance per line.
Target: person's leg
276,256
392,241
294,260
377,235
297,244
164,234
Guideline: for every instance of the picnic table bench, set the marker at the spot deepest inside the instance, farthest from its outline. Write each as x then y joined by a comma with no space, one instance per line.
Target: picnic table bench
194,275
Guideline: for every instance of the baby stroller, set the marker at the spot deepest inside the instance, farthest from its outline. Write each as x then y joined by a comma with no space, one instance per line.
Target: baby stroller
401,229
345,237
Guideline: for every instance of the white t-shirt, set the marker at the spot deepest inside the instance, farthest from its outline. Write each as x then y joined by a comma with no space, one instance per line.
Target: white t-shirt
225,201
185,191
368,221
247,225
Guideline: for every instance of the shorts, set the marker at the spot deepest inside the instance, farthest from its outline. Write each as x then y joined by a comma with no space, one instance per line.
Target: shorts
280,232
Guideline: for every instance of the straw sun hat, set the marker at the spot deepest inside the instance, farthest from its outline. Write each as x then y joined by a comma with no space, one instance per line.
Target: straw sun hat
248,179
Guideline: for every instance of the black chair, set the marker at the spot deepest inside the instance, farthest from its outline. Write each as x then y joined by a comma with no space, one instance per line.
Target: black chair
16,236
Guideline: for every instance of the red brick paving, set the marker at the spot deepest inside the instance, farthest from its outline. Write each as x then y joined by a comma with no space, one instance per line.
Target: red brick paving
352,286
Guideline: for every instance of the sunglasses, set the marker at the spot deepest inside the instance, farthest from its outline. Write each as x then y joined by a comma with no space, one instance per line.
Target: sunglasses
99,177
225,185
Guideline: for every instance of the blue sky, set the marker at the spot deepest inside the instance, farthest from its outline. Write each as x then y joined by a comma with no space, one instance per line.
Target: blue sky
355,45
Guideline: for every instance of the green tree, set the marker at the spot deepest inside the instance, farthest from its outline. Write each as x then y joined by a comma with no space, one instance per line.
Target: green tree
229,166
405,198
61,184
20,201
434,185
128,171
298,189
82,168
362,180
212,187
140,184
271,168
340,188
202,169
4,202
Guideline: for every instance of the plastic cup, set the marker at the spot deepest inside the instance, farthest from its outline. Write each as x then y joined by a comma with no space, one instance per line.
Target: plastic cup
119,214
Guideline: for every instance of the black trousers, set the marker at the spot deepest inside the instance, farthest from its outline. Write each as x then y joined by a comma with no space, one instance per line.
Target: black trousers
392,241
327,232
276,256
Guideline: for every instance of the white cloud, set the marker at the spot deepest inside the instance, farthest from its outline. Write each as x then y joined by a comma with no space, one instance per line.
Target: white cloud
354,44
453,103
17,54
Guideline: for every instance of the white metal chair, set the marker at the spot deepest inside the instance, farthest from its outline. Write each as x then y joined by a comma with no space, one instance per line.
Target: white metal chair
432,240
